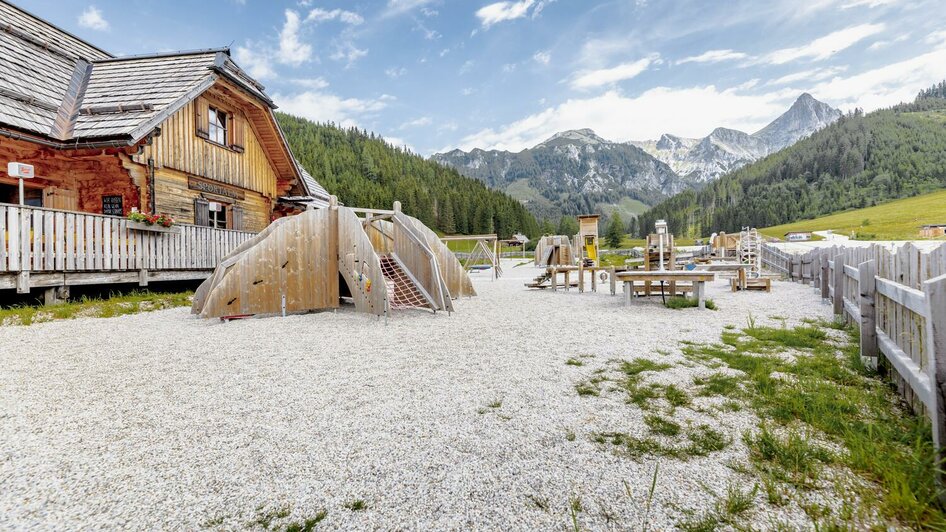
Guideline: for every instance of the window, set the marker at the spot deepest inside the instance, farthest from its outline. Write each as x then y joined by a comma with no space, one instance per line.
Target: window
218,215
217,123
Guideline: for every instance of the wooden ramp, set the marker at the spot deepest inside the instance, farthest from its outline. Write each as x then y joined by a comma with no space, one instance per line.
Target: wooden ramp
298,263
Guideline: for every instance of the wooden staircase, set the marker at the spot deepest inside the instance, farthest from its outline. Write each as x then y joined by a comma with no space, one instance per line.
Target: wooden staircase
403,292
540,280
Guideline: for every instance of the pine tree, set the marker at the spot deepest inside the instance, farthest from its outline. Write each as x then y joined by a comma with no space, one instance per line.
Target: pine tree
568,226
446,221
615,231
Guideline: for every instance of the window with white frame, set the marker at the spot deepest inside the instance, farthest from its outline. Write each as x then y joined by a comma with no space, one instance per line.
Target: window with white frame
217,126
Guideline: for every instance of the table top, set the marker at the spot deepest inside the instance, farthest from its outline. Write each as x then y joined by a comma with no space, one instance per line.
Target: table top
666,275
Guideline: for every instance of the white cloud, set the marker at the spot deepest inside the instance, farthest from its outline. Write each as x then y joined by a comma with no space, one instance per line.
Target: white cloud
394,72
466,67
398,142
590,79
713,56
824,47
348,52
396,7
880,45
291,50
502,11
321,106
509,67
815,74
886,85
937,38
695,111
92,18
417,122
255,63
310,83
692,112
322,15
542,58
868,3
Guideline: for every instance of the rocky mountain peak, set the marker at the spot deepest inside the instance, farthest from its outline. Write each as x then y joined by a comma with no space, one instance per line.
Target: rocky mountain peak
575,136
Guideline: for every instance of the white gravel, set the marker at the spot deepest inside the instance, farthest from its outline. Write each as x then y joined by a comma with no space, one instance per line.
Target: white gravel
166,421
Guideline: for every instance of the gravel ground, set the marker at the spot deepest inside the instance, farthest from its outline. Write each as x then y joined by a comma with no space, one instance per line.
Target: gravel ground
162,420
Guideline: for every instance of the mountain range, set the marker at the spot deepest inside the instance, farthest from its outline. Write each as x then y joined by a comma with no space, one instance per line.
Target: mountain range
577,171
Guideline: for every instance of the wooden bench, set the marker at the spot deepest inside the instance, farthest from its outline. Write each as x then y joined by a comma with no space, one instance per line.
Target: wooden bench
698,278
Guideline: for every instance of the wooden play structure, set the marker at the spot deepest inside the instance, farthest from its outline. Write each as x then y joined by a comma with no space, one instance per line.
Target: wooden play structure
311,261
588,239
484,255
555,250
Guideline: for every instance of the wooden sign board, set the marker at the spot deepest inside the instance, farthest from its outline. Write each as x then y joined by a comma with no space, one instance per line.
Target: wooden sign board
217,189
113,206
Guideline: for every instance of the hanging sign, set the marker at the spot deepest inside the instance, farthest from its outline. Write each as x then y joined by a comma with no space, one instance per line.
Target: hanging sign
23,171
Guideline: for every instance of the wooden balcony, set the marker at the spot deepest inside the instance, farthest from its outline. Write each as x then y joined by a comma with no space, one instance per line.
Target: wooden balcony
48,248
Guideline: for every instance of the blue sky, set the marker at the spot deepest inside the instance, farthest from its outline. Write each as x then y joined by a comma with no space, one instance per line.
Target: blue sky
439,74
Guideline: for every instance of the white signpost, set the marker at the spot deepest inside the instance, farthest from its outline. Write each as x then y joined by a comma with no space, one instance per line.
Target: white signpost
21,171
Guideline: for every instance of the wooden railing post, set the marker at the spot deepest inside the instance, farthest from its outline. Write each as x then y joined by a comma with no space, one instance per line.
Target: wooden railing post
867,288
825,277
838,285
935,291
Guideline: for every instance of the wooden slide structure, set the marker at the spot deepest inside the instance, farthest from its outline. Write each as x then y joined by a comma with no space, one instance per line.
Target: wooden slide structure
310,261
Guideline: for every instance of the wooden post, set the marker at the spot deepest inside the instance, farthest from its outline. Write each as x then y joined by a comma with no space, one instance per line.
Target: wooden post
554,279
867,287
23,282
142,277
594,281
839,285
568,280
700,292
628,292
613,280
825,277
56,295
581,279
935,291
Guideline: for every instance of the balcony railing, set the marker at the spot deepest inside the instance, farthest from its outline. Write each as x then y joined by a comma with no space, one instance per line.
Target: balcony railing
34,239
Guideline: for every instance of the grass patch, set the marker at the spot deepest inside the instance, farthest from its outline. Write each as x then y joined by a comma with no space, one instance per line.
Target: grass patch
661,425
681,302
824,392
700,441
588,388
309,524
640,365
356,505
574,362
718,384
115,305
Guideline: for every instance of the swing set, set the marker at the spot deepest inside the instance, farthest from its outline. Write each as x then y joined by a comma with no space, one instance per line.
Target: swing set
483,256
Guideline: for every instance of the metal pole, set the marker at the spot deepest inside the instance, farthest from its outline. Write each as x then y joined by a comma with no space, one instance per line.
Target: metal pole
21,192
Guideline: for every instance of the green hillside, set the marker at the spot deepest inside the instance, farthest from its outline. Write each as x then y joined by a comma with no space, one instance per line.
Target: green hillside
857,162
364,170
896,220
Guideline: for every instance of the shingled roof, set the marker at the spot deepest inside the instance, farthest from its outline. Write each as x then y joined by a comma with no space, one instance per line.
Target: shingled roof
58,87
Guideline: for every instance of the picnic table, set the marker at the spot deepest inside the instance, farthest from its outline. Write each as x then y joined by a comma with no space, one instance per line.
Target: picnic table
697,277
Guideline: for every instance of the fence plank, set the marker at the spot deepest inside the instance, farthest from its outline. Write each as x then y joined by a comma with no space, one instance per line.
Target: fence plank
935,290
839,284
866,288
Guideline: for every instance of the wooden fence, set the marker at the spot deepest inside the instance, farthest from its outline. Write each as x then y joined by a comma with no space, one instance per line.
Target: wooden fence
897,298
39,240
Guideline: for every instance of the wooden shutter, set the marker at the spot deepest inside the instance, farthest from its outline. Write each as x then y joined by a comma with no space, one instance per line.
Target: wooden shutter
201,212
202,116
236,218
237,128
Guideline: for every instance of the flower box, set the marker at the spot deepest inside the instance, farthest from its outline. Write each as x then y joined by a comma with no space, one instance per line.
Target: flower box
138,226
